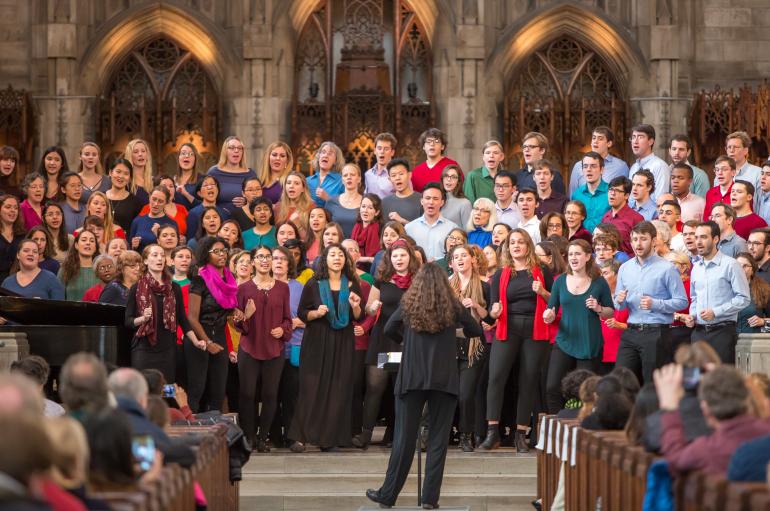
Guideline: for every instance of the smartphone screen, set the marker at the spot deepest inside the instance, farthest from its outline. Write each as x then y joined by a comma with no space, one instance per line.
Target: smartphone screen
143,448
169,390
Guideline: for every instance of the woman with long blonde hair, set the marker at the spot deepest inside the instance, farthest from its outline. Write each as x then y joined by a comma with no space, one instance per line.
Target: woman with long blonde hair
295,203
277,162
138,153
99,205
230,171
520,291
91,171
474,294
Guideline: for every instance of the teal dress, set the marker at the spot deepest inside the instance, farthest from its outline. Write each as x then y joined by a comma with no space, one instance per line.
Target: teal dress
580,329
252,240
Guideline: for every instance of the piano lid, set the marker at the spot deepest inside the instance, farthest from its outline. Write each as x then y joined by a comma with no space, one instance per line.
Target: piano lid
36,311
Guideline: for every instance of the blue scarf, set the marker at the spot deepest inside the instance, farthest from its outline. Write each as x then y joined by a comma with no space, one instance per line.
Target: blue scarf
338,319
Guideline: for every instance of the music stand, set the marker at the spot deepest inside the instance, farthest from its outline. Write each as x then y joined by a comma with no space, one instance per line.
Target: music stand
391,362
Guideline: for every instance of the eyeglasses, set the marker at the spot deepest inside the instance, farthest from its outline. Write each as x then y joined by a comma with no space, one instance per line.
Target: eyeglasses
455,238
432,141
754,243
555,226
734,147
105,267
640,136
452,177
503,186
616,190
235,147
482,210
263,257
529,147
218,251
186,154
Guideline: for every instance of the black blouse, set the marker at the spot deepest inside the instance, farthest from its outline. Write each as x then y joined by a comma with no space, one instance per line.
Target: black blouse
429,361
125,210
521,298
211,313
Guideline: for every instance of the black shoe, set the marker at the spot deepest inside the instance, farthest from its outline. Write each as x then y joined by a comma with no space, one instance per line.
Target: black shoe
520,441
330,449
297,447
477,440
430,506
466,442
375,496
262,445
492,441
537,504
362,439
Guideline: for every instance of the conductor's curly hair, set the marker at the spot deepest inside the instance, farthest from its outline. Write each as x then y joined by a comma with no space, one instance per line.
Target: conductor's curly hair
429,305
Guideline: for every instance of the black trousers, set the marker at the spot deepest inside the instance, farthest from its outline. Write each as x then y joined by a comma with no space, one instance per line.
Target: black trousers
207,373
559,365
722,339
522,354
469,380
680,335
376,383
481,392
359,386
409,408
250,373
643,351
288,390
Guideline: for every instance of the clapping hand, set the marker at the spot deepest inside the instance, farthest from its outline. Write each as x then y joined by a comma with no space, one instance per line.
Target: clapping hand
358,330
645,303
537,286
135,241
496,309
146,314
593,304
354,300
322,310
621,295
707,314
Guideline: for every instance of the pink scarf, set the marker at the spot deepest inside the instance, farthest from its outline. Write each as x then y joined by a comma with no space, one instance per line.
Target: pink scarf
225,291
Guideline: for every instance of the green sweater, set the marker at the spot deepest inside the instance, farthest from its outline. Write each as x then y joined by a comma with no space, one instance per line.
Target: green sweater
478,183
79,284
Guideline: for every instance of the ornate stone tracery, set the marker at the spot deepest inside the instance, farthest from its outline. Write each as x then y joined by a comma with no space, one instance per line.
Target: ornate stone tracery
362,67
563,91
162,94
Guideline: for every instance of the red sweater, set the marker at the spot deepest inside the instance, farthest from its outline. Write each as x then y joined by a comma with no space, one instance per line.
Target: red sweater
713,196
743,225
422,174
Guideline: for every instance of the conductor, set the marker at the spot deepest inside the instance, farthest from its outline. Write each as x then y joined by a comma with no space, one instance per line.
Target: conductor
426,323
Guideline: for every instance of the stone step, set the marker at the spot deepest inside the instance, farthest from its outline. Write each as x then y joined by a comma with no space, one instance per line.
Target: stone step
318,484
353,502
500,461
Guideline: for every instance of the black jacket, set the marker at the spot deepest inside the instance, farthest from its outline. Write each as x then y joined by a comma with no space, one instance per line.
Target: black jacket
429,361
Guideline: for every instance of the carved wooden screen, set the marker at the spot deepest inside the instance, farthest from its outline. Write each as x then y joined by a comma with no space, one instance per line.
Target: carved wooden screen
362,67
161,94
718,112
563,91
15,126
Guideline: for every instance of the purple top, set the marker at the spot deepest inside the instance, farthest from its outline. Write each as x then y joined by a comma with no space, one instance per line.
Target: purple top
29,215
273,192
295,292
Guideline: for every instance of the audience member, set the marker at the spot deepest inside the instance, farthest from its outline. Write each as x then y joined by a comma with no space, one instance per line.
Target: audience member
37,370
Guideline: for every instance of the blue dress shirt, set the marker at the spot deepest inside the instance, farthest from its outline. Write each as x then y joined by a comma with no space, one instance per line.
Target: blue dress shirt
719,285
656,278
596,203
660,172
430,237
332,184
647,210
762,205
613,167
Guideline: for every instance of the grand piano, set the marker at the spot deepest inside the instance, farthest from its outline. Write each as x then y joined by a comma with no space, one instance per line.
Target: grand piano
56,329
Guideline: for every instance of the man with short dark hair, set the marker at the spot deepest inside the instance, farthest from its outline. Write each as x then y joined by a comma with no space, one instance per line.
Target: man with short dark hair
593,194
724,172
688,236
602,140
729,242
724,401
642,142
433,142
527,202
692,204
505,205
741,199
651,288
403,205
620,214
37,370
549,200
670,213
376,178
534,145
431,229
759,248
641,201
719,290
679,151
